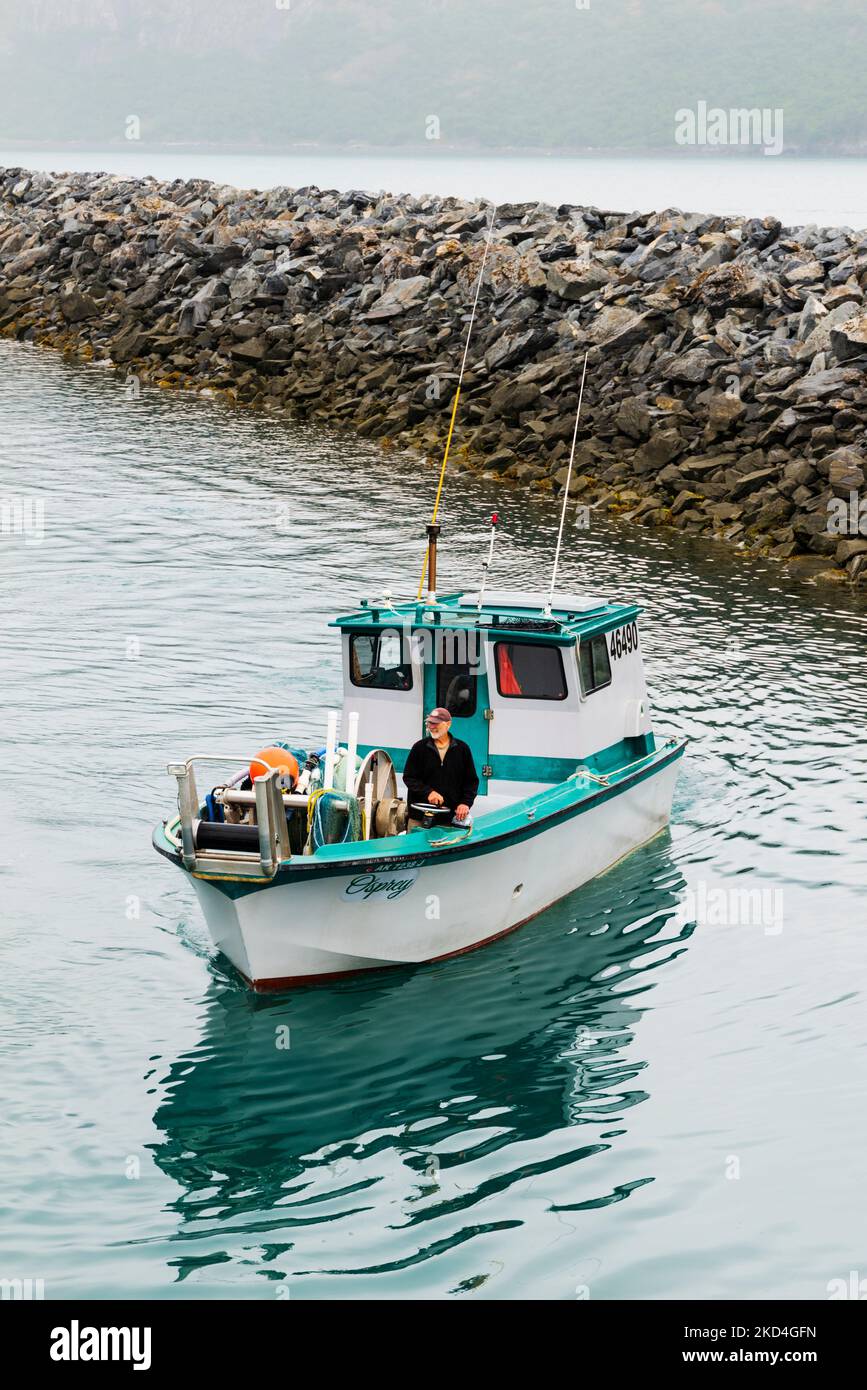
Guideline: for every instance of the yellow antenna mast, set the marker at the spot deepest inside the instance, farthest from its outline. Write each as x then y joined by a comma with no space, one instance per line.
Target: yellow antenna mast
433,529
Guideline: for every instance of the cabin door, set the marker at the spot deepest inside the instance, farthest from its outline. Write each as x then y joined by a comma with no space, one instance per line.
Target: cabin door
454,678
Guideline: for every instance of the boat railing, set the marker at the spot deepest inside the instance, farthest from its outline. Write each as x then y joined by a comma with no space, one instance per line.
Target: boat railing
270,805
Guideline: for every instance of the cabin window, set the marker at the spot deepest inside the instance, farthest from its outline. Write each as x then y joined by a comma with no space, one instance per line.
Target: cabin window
456,689
595,664
379,661
529,671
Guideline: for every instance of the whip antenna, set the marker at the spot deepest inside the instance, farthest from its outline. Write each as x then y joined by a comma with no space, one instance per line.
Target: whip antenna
430,553
486,564
566,492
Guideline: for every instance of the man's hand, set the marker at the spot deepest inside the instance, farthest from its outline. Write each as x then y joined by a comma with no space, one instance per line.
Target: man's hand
435,799
462,812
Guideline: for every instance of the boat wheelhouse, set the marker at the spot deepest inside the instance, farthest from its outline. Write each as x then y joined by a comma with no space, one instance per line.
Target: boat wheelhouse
524,690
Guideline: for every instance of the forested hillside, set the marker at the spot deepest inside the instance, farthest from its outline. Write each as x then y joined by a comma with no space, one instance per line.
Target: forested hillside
495,73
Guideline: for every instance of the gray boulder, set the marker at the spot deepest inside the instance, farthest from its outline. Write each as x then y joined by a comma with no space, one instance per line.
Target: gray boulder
849,338
75,305
845,471
399,297
573,282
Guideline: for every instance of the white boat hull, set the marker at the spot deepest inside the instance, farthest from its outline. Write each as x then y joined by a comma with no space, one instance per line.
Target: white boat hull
289,932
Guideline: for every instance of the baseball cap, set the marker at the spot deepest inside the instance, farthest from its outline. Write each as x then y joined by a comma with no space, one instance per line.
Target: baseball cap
438,716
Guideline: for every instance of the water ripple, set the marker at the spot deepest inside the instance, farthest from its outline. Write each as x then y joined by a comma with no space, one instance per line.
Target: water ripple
633,1095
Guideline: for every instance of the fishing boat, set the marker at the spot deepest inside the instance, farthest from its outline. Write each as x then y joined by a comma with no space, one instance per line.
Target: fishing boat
313,863
302,885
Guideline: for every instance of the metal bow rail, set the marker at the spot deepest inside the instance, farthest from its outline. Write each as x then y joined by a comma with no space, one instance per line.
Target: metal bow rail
270,805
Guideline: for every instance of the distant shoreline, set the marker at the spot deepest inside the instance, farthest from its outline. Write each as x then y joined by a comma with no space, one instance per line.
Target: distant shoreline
436,150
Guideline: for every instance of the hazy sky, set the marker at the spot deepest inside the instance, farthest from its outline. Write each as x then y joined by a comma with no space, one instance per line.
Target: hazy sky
552,74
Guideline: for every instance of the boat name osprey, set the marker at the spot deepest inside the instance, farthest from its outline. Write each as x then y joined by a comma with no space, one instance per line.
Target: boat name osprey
369,885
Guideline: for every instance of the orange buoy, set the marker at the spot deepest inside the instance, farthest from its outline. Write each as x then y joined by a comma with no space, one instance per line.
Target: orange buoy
269,758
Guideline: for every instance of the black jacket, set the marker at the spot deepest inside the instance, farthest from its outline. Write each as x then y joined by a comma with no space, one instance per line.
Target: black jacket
455,778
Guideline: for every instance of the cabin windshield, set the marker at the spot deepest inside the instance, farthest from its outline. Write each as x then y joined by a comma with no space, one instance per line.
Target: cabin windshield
529,671
380,661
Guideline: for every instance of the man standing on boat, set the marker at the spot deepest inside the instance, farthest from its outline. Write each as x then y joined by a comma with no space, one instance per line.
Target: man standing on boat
440,770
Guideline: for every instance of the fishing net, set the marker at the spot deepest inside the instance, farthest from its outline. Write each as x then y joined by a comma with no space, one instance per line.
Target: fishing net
299,754
333,819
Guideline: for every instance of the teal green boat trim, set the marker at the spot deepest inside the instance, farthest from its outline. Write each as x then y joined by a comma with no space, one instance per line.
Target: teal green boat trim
519,768
513,824
567,625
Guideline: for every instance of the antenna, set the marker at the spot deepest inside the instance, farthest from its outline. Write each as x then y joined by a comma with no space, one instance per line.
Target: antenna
486,564
429,564
566,492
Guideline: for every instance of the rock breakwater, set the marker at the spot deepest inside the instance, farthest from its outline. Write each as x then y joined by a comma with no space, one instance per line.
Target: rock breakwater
726,391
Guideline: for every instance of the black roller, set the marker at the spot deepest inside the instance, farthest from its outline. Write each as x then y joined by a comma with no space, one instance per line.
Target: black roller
219,835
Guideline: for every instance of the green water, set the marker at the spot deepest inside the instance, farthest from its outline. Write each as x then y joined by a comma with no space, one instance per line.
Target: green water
655,1089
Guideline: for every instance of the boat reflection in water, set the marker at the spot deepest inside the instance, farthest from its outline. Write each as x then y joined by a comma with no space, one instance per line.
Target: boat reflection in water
406,1098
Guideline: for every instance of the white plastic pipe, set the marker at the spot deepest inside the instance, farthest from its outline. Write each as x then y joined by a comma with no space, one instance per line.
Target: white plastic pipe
351,751
330,747
368,807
